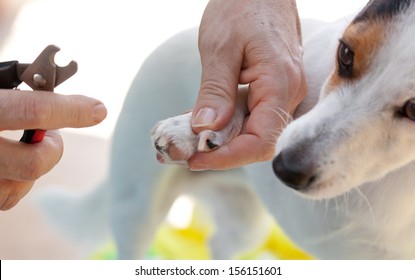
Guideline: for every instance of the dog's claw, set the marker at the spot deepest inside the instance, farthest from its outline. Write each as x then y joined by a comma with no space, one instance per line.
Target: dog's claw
211,145
208,141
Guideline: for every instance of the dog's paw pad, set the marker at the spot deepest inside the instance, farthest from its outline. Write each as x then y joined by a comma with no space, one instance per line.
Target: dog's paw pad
170,149
178,154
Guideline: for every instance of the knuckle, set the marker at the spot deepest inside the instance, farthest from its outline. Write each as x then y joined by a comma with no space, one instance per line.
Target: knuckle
210,43
213,89
35,113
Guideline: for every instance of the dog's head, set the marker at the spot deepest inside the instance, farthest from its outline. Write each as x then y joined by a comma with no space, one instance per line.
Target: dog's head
363,126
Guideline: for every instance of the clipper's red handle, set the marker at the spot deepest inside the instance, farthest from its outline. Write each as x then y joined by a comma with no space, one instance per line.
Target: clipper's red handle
33,136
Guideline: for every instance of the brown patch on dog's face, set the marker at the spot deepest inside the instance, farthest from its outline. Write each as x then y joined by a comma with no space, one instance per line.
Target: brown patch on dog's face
363,38
357,47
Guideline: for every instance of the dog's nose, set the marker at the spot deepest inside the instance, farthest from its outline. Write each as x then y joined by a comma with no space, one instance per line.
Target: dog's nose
294,174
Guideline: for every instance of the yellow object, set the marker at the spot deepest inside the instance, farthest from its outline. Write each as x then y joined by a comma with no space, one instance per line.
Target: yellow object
280,246
191,243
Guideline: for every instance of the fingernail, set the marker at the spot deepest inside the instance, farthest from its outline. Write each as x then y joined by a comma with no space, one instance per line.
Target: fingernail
198,169
99,112
205,117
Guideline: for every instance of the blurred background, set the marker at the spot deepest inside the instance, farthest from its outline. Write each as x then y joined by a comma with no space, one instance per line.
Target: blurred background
109,39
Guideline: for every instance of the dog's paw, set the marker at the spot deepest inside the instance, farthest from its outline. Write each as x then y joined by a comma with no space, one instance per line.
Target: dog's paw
175,142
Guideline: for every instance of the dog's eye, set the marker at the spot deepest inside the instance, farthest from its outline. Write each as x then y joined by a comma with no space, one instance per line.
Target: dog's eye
409,109
345,59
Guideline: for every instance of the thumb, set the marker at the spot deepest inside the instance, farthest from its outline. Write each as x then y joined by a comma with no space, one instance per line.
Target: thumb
215,103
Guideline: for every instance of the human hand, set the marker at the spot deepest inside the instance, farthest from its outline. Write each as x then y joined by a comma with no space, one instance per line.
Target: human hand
22,164
248,42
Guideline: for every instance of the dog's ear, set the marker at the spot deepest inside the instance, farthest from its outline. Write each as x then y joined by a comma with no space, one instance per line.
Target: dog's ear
382,8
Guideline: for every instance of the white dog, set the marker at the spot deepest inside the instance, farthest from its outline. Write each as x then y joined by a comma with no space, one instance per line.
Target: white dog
351,154
355,148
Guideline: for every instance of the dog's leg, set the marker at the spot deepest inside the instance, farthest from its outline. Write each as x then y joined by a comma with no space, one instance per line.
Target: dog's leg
242,222
166,84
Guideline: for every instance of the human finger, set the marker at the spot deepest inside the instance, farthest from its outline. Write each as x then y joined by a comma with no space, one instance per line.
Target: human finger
48,110
255,144
11,192
23,162
221,58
